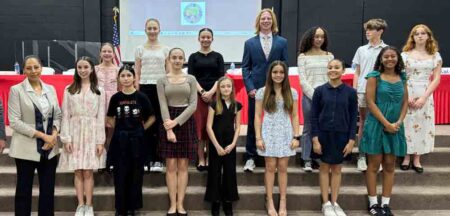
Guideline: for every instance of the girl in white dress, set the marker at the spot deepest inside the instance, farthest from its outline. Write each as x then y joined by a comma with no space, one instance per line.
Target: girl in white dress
277,136
422,62
83,132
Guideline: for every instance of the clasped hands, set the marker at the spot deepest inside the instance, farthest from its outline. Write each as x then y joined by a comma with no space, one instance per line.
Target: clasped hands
417,103
207,96
224,151
49,141
169,125
392,127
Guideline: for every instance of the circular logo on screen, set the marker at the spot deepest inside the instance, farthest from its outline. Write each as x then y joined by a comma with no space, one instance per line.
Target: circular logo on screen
193,13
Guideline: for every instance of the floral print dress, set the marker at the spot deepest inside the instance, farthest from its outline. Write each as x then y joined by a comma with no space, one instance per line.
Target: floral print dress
419,123
277,132
83,125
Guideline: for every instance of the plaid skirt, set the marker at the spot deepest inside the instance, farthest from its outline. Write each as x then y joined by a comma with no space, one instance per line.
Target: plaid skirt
186,145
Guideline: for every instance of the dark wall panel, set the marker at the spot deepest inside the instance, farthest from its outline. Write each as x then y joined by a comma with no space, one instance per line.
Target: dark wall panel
46,20
91,20
288,23
107,19
402,15
342,20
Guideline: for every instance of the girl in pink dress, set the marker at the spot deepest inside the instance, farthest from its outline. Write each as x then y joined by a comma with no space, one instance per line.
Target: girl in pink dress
82,132
107,79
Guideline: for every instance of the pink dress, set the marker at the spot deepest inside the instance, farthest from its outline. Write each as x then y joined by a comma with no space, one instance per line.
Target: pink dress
83,125
107,79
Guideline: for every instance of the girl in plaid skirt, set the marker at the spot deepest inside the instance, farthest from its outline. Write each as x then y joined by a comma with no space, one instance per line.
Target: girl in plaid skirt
177,94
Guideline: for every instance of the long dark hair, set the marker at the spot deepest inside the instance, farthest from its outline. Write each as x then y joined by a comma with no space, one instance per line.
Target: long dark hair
307,41
269,100
399,67
75,87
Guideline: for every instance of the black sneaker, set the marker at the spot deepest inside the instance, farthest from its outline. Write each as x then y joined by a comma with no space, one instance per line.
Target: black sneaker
387,210
228,208
215,208
376,210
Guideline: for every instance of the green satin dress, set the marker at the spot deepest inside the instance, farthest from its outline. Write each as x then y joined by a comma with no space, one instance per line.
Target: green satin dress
389,99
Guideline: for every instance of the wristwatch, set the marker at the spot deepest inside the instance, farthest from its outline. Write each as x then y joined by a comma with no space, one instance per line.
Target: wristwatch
202,91
297,137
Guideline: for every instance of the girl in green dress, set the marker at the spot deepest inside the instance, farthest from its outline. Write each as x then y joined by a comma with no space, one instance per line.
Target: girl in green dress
384,136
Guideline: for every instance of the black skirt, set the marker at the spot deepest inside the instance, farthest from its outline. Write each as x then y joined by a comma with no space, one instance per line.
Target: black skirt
333,143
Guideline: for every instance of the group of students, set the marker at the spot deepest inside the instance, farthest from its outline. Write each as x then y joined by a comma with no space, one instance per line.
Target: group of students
155,112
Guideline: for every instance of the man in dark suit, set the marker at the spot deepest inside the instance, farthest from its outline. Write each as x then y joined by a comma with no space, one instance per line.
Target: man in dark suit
259,52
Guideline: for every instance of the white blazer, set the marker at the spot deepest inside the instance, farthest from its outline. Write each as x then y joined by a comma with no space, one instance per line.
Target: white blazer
22,119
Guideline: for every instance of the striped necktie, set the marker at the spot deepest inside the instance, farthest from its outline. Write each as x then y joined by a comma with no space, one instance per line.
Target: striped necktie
266,46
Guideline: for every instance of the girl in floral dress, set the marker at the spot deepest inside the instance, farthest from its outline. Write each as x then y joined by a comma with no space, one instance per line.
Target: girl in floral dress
422,61
83,132
277,135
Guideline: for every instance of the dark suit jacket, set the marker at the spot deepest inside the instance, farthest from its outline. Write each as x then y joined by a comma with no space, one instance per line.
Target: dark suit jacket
255,64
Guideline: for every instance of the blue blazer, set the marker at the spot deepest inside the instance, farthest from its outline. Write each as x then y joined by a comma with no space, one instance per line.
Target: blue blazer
255,64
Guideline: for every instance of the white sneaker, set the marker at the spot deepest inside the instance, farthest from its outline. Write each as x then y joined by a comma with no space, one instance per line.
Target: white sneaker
80,210
88,211
362,165
381,168
328,209
156,167
249,165
308,166
338,210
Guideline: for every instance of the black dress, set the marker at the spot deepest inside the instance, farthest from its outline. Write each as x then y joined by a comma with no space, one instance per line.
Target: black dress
222,185
126,151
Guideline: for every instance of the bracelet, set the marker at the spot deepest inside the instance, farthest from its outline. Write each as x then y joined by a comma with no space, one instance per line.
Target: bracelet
202,91
258,139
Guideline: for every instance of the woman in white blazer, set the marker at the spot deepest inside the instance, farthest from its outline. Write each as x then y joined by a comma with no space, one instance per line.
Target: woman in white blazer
35,116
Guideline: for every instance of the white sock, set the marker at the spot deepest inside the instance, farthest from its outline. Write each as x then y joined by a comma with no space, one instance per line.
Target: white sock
373,200
327,203
385,200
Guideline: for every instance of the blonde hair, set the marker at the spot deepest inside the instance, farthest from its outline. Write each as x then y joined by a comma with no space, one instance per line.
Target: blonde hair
431,45
376,24
274,20
101,47
219,105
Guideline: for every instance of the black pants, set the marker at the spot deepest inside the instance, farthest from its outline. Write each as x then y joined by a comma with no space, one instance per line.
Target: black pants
46,170
128,178
250,146
222,183
152,133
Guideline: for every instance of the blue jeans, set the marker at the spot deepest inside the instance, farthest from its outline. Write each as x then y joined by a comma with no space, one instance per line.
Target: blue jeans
306,141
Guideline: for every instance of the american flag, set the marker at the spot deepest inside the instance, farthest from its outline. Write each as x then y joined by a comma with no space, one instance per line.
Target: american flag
116,39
